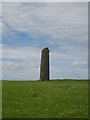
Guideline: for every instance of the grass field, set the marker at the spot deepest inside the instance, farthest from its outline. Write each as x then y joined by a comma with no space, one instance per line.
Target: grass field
45,99
0,99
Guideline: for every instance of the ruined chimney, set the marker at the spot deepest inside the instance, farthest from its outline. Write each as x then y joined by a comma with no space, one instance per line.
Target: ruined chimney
44,67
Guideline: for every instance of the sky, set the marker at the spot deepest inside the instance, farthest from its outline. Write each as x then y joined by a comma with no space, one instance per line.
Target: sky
28,27
44,0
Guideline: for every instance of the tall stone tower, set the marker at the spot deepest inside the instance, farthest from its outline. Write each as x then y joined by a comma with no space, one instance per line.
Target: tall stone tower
44,67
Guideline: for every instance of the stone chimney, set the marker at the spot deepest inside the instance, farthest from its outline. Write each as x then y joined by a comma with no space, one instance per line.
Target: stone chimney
44,67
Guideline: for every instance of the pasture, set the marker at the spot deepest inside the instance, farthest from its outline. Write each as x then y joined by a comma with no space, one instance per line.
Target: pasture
45,99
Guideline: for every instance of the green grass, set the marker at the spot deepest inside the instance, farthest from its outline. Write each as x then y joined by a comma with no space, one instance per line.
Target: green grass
45,99
0,99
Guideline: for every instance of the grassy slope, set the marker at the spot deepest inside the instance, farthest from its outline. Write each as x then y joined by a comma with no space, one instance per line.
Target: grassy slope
0,99
47,99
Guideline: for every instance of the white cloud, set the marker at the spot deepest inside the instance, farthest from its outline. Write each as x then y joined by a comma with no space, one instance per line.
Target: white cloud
0,20
0,51
0,70
24,63
21,63
20,70
79,63
1,45
65,25
21,53
44,0
20,66
84,74
55,20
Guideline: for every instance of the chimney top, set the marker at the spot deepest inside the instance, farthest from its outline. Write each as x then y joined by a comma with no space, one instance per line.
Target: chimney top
45,49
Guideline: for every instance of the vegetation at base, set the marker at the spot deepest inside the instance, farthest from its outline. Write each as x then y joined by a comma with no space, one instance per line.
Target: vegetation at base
45,99
0,99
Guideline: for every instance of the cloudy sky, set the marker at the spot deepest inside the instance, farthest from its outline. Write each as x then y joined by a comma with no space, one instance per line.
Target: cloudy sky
27,27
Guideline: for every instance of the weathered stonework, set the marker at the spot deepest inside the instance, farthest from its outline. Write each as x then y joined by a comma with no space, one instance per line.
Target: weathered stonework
44,67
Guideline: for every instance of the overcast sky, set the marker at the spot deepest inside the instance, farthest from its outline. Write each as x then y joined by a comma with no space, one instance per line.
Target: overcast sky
28,27
44,0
